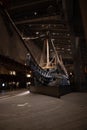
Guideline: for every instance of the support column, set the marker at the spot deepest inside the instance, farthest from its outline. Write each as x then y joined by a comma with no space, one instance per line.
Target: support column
79,75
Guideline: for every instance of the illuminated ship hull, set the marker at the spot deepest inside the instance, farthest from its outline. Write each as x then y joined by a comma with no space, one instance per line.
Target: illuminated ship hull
50,82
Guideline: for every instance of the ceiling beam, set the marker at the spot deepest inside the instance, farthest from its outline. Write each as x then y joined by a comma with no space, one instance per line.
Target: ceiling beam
57,30
56,18
29,4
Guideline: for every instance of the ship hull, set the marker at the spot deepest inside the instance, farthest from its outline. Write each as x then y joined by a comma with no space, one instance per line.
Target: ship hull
54,91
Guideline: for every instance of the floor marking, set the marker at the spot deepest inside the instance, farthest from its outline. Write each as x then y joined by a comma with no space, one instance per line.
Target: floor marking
22,105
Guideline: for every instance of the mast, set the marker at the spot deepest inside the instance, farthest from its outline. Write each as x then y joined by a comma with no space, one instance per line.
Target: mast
58,60
47,44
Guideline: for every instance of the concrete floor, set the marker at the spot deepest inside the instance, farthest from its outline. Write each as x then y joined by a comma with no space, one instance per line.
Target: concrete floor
20,110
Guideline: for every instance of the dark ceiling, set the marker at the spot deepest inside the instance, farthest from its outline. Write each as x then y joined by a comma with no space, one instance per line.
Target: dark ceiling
38,19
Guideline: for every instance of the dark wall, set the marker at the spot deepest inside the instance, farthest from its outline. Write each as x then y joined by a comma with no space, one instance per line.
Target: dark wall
11,44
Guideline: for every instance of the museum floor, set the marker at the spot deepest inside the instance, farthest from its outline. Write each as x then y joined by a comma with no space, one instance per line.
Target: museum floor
21,110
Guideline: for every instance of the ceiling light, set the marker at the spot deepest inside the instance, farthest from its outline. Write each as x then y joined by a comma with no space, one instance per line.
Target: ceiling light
35,13
37,32
62,48
43,25
28,75
68,49
54,25
68,34
54,33
29,25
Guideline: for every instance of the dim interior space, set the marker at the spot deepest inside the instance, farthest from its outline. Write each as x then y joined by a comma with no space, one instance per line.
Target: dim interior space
43,64
62,24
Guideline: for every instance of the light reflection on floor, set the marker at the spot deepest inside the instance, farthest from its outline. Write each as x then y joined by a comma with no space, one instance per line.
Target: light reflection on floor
23,93
7,95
